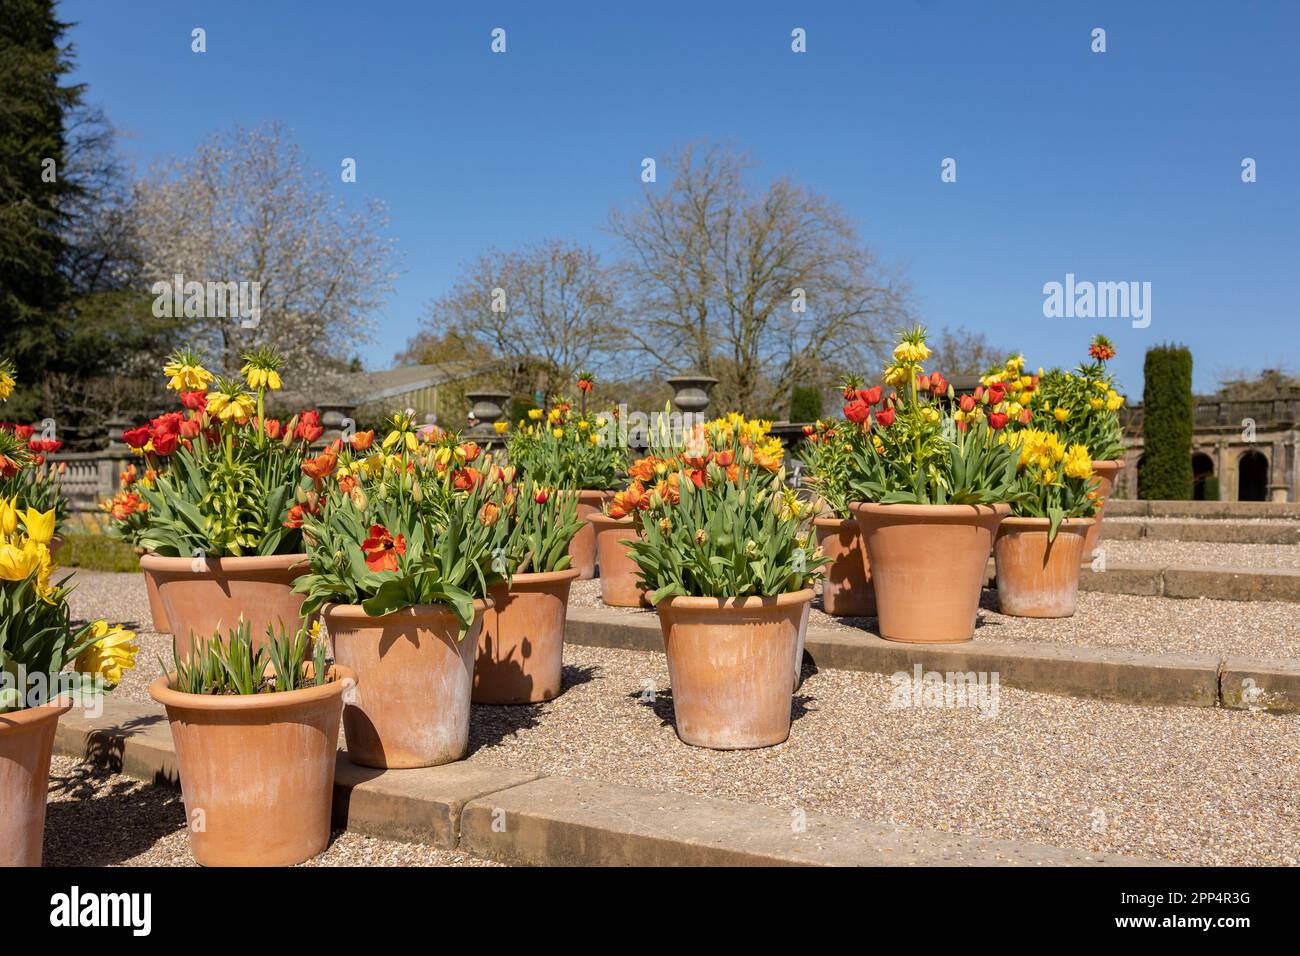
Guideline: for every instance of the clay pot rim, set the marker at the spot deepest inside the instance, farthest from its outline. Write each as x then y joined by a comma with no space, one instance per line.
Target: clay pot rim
541,577
344,678
233,563
15,720
751,602
1115,463
600,518
588,495
355,612
829,521
1015,523
930,511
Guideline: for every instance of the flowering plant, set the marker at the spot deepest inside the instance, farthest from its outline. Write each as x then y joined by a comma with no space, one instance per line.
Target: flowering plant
25,476
37,637
407,522
566,447
539,524
1053,481
1082,407
924,447
826,454
719,530
221,476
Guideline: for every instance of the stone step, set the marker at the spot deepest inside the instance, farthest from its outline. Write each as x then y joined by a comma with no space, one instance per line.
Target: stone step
1218,531
1210,510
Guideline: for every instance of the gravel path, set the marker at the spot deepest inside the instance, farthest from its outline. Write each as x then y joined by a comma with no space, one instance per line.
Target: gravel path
1203,554
1192,785
1145,624
147,827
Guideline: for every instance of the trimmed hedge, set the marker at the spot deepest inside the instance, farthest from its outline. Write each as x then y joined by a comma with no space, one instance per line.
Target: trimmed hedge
805,403
97,552
1166,471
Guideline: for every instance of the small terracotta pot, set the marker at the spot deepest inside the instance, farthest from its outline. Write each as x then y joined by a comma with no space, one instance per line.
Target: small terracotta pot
582,549
1038,578
414,679
928,564
729,664
1106,473
618,572
203,595
26,740
257,770
156,609
846,587
521,644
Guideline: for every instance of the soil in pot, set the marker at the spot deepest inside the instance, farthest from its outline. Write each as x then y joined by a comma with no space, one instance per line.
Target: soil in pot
204,595
521,643
26,741
257,770
928,564
415,675
1038,578
846,587
1106,472
582,549
729,663
618,572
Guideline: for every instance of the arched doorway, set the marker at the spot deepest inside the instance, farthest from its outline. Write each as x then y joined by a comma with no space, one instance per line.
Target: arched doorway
1202,469
1252,476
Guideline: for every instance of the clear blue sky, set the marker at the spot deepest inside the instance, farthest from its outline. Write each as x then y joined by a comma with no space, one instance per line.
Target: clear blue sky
1116,166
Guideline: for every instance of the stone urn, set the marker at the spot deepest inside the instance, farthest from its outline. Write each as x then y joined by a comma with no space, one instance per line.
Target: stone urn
691,392
487,409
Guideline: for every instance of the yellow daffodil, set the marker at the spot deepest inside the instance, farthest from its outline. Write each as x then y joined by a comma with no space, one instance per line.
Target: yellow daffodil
38,526
114,651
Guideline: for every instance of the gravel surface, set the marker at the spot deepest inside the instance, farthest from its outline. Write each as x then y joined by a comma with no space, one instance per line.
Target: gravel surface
1203,554
1192,785
146,826
1150,625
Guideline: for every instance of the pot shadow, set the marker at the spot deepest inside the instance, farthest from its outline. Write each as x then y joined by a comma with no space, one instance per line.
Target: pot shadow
102,823
490,724
661,703
106,746
988,602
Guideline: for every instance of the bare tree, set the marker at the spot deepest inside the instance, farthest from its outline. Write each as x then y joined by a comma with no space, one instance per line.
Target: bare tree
963,352
548,307
246,208
762,287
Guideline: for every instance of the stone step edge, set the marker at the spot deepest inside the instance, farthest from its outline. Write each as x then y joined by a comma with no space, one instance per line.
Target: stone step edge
1197,680
535,819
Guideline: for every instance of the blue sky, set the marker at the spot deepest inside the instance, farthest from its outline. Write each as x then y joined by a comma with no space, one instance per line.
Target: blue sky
1118,166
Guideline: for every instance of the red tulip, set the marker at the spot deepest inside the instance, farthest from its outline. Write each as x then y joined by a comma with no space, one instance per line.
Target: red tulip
997,420
967,403
381,549
362,440
195,401
857,411
885,417
164,444
870,395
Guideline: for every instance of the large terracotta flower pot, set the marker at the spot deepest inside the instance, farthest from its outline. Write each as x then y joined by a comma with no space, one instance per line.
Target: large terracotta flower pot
521,644
729,665
1037,577
582,549
257,770
414,679
846,587
26,740
618,572
1106,473
204,595
156,609
928,564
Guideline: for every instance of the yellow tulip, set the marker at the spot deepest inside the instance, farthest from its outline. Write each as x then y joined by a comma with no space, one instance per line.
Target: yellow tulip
535,414
39,527
17,564
1061,414
501,427
8,516
113,651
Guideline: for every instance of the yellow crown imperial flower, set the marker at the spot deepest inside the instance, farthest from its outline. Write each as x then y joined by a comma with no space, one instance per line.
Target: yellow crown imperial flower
7,381
185,372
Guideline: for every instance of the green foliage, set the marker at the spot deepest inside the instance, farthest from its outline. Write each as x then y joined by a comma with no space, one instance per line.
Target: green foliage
1092,405
827,454
805,403
565,447
1166,471
230,664
98,552
1212,488
540,530
724,539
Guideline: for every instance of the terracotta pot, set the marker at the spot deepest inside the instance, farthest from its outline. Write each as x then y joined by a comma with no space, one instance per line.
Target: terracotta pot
202,596
618,572
1038,578
729,664
414,679
257,770
582,549
156,609
928,564
521,644
846,587
26,740
1106,472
